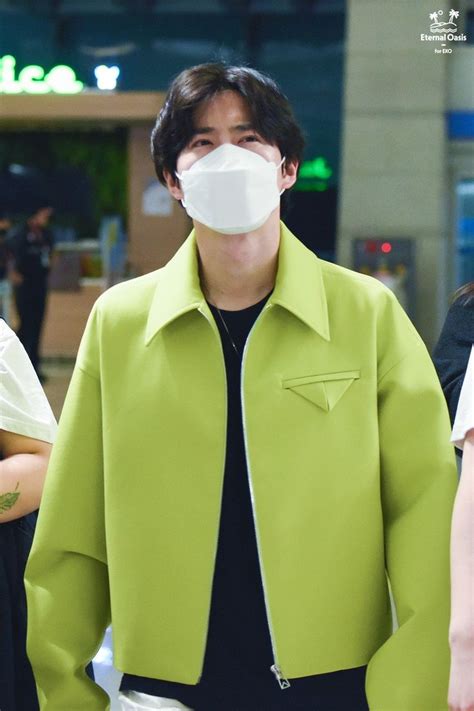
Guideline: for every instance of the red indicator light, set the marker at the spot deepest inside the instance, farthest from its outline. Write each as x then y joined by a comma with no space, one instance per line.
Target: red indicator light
370,247
386,247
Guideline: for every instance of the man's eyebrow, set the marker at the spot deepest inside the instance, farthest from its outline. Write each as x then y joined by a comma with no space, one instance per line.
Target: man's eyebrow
248,126
202,129
209,129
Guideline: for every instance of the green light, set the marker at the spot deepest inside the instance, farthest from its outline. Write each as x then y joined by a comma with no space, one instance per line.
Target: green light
316,168
306,186
33,79
313,175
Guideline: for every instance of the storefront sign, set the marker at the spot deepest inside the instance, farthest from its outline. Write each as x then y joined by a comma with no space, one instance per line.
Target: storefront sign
33,79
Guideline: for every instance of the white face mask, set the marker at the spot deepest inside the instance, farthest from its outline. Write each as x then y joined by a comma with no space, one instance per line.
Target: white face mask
231,190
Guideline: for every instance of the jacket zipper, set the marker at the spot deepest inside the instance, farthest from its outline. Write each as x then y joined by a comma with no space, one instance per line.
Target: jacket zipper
275,668
284,683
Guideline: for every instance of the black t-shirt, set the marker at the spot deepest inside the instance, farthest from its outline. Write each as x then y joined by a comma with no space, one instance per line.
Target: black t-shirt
236,673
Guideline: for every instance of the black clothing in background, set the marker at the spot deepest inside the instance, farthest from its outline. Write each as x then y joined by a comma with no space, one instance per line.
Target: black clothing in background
17,685
452,351
3,256
236,674
31,252
31,307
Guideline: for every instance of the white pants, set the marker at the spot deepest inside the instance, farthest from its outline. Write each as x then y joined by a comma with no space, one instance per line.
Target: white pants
134,701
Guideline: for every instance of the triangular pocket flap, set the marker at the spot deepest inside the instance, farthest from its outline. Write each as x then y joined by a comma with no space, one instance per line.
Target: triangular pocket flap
325,391
314,392
335,389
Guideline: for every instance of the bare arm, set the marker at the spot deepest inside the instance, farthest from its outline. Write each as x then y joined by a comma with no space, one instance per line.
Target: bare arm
461,633
22,472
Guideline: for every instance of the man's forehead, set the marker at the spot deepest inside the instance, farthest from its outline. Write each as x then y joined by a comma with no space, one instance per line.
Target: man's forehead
225,107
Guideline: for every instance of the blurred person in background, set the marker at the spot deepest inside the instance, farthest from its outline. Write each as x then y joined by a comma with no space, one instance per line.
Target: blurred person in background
27,428
31,245
234,502
5,287
451,353
454,359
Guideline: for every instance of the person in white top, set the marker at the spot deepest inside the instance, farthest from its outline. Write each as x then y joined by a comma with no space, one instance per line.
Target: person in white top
461,634
27,429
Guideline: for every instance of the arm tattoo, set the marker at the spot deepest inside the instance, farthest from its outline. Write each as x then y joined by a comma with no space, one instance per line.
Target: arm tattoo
9,499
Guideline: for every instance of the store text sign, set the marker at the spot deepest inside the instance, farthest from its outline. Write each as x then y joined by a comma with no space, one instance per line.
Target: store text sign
33,79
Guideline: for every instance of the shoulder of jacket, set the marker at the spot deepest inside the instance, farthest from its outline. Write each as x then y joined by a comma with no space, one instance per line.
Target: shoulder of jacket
129,296
463,307
347,282
459,323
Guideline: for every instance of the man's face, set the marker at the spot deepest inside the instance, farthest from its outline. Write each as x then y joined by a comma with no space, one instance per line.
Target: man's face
226,119
42,217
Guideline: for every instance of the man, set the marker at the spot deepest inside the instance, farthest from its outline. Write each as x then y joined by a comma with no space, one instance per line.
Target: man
232,501
31,247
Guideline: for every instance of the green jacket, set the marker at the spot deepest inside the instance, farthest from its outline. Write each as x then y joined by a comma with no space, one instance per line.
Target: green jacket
351,473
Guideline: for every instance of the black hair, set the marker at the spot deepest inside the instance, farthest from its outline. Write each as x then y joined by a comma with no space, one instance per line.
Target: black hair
270,110
465,294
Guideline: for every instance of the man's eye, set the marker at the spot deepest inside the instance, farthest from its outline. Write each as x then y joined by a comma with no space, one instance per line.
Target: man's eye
200,142
252,137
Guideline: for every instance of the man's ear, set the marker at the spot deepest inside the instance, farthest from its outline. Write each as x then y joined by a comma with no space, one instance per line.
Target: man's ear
289,170
172,183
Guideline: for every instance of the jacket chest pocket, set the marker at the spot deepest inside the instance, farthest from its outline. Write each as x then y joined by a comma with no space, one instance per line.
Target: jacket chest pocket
324,390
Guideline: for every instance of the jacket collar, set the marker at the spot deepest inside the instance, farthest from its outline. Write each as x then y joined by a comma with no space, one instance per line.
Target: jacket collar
299,286
178,289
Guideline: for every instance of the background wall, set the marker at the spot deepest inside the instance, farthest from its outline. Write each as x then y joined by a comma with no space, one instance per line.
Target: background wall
396,148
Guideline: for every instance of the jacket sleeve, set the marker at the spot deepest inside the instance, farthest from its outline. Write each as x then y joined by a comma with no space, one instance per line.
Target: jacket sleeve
66,577
409,672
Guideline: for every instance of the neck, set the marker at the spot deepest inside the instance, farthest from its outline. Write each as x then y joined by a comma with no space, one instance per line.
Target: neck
237,271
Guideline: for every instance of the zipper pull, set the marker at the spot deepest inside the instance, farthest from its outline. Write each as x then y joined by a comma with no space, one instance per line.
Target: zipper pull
284,683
